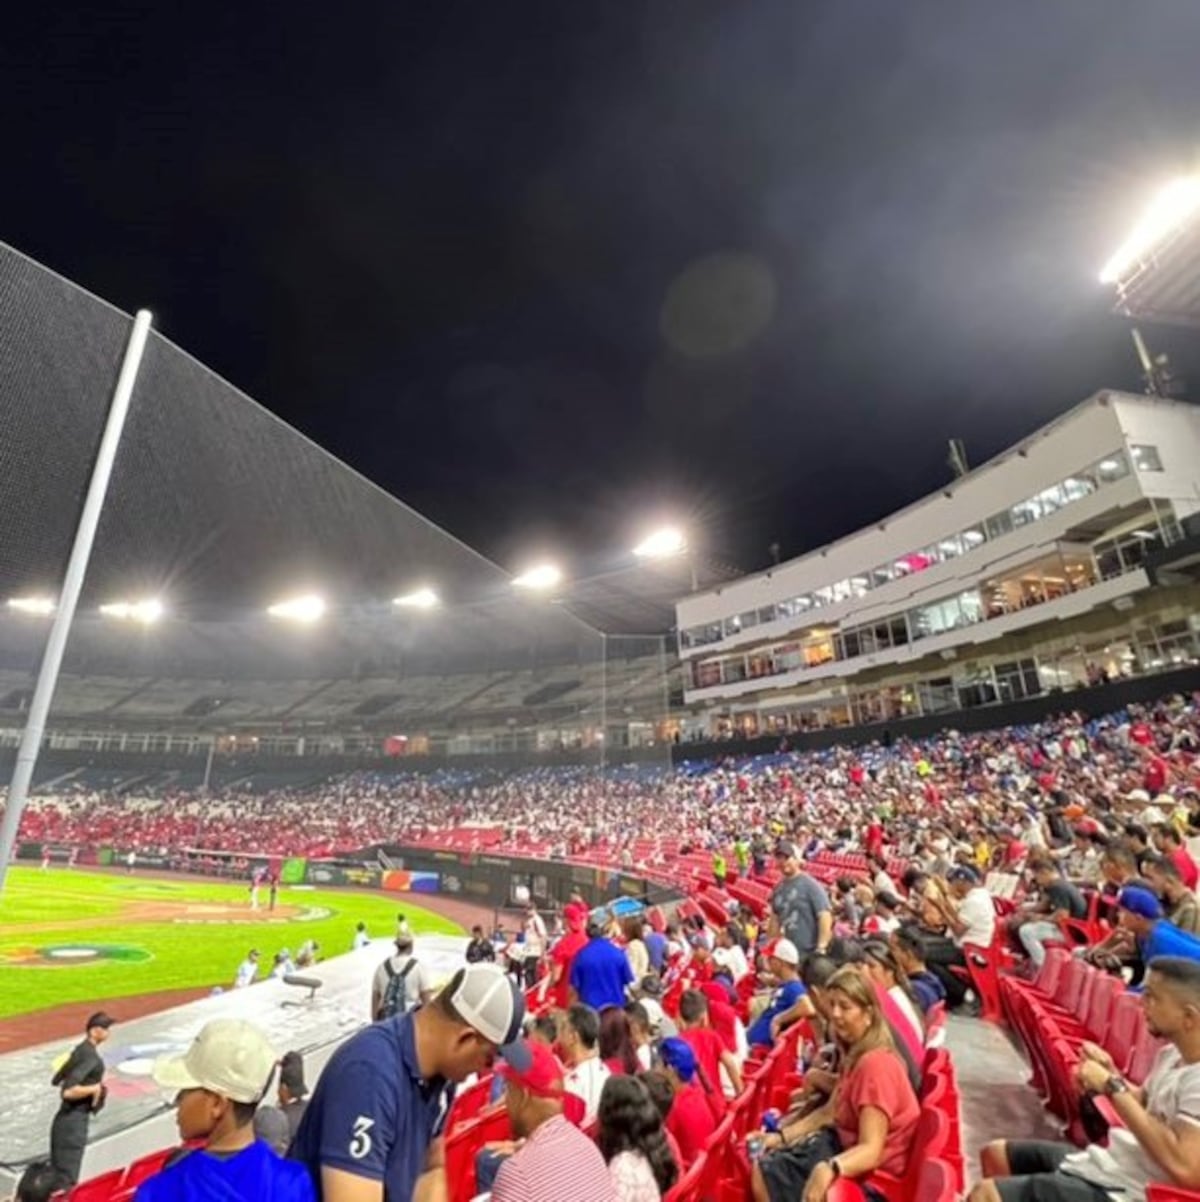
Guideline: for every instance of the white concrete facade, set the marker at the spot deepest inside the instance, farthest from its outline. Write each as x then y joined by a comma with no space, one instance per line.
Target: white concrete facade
1053,528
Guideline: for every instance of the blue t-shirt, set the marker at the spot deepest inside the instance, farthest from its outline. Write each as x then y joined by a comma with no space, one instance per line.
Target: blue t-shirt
599,974
656,945
255,1172
1166,939
371,1113
783,999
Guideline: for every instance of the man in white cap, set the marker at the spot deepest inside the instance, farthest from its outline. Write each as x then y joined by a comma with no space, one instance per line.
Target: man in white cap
218,1085
371,1127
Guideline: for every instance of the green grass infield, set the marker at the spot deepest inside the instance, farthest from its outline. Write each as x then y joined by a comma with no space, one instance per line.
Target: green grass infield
74,936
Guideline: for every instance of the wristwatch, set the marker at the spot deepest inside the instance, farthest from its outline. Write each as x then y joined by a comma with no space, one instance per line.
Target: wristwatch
1114,1085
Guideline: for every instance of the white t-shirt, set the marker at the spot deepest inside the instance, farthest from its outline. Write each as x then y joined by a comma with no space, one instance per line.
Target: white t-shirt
535,937
978,912
1124,1167
734,959
361,939
585,1081
633,1178
247,971
414,984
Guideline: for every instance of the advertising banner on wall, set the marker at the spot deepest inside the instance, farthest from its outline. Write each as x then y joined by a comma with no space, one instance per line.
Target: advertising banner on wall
401,881
291,871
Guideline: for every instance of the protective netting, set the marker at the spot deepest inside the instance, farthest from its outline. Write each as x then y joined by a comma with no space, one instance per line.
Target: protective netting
218,509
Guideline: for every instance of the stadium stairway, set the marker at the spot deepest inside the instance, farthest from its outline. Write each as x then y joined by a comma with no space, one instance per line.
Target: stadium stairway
996,1099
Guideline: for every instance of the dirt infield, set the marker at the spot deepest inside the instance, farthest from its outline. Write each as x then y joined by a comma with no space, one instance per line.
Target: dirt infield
165,911
63,1022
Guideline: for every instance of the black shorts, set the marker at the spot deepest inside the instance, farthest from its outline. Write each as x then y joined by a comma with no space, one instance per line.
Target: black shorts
1036,1176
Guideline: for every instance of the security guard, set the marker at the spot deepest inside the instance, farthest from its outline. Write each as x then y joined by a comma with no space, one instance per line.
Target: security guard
80,1083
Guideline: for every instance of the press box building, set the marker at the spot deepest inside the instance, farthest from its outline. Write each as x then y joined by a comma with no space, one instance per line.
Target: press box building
1032,573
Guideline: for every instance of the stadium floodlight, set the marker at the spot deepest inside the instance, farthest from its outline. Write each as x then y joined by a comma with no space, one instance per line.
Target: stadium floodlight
42,607
662,544
305,610
147,611
422,598
539,579
1170,209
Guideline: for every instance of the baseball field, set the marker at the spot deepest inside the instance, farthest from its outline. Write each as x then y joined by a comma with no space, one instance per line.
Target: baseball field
69,936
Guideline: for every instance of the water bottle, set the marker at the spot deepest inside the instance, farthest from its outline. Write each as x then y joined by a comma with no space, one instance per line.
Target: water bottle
754,1148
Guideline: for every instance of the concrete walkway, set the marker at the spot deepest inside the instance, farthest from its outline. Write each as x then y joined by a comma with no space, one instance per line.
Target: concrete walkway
996,1101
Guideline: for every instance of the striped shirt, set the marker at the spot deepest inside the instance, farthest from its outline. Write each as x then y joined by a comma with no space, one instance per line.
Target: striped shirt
557,1161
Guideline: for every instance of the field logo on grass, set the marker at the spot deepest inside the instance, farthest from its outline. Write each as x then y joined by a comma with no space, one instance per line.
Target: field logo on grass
73,955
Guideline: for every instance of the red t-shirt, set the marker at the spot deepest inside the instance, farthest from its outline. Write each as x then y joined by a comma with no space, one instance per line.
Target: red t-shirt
1154,779
691,1122
1188,870
721,1015
563,953
707,1045
879,1079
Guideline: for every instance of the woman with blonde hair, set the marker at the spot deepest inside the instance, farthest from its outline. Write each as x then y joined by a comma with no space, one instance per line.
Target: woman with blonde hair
868,1122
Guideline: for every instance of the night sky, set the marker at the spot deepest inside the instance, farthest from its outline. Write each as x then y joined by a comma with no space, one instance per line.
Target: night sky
547,270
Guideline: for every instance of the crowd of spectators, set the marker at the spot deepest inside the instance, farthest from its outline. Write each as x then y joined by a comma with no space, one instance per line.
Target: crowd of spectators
1071,833
934,794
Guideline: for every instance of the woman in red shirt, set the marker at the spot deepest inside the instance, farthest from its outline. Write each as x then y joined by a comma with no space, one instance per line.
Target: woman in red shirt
870,1119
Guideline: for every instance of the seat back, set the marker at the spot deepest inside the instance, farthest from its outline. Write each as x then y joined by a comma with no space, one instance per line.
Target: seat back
1105,991
1124,1029
935,1182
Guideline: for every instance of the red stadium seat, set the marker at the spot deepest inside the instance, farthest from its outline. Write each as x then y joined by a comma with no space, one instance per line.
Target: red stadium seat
103,1188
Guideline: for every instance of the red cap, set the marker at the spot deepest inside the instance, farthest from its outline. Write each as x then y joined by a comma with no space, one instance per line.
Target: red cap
543,1077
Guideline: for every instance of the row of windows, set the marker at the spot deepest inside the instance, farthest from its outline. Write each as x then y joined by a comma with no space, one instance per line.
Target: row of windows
1108,470
1027,587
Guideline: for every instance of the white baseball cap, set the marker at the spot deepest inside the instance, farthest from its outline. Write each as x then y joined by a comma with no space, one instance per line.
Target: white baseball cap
484,996
230,1057
785,950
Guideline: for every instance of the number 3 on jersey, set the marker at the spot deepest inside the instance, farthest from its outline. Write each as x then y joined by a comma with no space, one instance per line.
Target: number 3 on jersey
360,1144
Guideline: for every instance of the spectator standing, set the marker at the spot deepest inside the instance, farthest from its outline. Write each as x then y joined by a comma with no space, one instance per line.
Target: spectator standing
534,930
80,1083
400,983
371,1121
480,949
556,1160
600,972
1159,1140
631,1139
219,1083
563,953
800,908
361,938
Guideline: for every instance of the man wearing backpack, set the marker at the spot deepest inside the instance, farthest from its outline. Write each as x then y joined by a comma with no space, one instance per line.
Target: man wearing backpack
400,983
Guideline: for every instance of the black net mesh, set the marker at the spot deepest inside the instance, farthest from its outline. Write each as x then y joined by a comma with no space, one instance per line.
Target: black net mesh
218,509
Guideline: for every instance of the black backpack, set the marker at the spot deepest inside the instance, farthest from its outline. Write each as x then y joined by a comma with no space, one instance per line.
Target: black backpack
394,996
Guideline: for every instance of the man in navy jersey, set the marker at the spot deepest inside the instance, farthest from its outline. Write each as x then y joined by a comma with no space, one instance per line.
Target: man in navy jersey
371,1125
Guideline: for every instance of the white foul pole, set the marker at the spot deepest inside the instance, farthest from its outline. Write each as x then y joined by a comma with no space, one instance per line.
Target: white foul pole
81,551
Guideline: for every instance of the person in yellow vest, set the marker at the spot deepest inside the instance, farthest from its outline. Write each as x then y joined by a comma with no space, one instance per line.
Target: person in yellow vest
720,868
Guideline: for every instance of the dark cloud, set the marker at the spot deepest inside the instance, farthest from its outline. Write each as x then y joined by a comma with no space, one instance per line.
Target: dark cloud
446,240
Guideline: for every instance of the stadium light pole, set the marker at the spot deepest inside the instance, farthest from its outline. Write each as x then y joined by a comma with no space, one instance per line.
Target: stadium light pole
667,543
77,565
